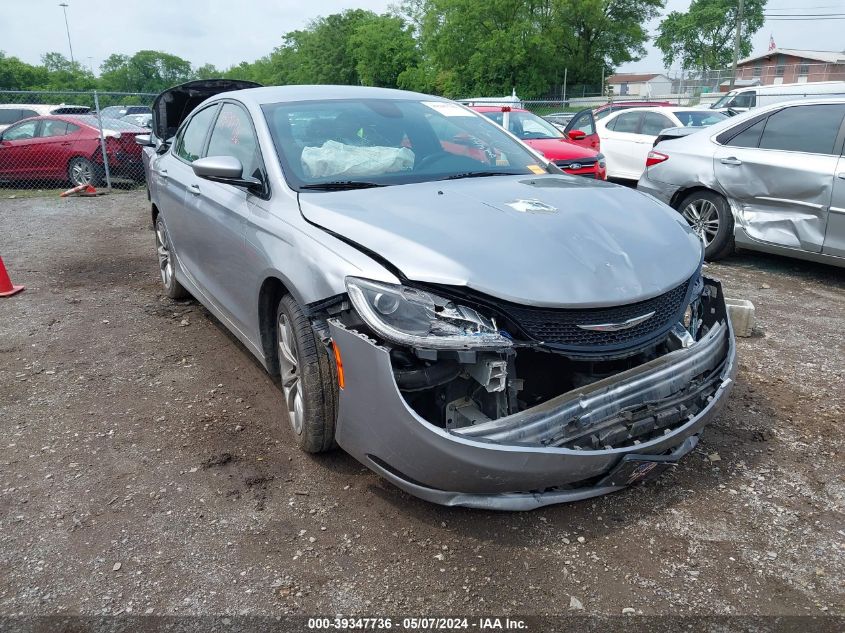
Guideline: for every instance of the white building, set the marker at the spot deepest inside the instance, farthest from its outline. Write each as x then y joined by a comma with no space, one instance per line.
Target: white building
643,86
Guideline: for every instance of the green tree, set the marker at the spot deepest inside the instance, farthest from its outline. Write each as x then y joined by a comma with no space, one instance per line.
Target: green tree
63,74
18,75
145,71
382,46
703,37
208,71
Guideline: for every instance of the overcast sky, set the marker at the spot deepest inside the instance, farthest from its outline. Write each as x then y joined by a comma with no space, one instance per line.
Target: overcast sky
226,33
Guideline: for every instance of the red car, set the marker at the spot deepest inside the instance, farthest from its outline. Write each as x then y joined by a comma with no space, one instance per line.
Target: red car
581,129
67,148
544,137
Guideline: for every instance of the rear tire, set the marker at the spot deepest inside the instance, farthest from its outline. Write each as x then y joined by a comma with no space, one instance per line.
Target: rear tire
166,263
710,217
308,382
81,171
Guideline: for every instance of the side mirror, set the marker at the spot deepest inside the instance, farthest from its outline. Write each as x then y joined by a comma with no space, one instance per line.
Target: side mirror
144,140
225,169
576,135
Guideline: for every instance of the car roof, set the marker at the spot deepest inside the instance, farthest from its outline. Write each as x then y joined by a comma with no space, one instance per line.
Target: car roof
662,109
280,94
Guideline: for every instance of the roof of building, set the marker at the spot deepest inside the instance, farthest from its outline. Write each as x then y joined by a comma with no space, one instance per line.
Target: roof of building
832,57
619,78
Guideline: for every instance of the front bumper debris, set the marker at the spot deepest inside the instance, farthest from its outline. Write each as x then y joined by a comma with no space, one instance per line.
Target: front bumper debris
515,462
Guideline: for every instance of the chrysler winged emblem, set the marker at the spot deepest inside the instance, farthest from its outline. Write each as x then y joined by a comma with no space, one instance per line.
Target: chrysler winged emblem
615,327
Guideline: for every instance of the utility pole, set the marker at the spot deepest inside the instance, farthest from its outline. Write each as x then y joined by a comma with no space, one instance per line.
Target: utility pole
736,44
64,6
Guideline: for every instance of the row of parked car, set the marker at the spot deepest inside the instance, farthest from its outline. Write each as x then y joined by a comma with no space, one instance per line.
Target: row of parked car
61,143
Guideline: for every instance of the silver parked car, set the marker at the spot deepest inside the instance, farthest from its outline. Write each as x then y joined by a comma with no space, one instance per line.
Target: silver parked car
466,320
772,179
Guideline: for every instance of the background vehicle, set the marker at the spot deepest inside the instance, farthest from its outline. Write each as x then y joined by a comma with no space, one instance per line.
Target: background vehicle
67,148
13,112
141,120
120,111
743,99
559,119
627,136
548,140
326,227
581,129
772,179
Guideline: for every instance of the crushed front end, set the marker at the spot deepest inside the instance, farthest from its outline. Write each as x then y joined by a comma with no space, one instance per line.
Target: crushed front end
461,399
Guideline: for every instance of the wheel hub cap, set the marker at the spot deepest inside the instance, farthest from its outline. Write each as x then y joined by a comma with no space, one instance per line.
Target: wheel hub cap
703,216
164,263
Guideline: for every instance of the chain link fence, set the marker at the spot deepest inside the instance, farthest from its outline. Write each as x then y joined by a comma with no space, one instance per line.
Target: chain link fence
54,141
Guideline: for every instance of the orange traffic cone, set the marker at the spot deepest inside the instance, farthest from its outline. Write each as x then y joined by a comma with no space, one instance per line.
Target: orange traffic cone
7,289
81,190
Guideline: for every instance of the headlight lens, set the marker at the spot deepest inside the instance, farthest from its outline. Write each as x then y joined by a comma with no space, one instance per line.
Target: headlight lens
417,318
601,160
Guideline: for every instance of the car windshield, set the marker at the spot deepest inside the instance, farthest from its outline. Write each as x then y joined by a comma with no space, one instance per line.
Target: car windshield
723,102
526,125
350,143
698,118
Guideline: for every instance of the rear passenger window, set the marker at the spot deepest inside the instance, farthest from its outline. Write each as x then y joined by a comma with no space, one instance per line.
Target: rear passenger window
53,127
811,128
233,136
749,137
654,123
190,143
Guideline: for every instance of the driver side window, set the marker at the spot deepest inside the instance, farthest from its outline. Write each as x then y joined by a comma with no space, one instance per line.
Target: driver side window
191,140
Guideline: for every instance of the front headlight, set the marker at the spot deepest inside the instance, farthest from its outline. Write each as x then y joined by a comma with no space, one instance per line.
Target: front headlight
416,318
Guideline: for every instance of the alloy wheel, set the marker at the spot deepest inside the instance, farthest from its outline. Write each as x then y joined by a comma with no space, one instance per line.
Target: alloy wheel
703,216
289,366
81,173
165,263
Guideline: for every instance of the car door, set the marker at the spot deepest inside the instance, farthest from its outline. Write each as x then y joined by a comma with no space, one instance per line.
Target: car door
834,240
218,215
172,174
780,171
619,139
55,147
19,156
583,122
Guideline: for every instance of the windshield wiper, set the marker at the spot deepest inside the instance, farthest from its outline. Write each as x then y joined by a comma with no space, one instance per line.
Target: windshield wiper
340,185
481,174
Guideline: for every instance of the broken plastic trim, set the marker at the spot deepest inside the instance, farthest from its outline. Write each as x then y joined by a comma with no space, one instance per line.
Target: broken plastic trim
587,408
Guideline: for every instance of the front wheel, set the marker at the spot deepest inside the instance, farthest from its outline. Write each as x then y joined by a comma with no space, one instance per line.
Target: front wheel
307,379
81,171
710,217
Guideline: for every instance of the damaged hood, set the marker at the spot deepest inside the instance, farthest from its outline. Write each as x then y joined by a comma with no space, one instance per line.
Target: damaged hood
543,241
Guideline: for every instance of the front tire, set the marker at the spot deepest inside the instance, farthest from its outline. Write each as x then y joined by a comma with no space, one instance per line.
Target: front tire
81,171
710,217
307,379
166,263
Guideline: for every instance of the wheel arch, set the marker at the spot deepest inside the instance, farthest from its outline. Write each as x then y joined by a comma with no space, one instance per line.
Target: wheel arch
270,293
683,192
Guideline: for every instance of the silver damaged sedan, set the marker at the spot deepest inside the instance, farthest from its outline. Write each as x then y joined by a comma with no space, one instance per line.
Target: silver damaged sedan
466,320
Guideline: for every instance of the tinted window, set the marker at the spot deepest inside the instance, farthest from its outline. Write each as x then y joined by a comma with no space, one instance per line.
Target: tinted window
811,129
627,122
744,100
699,118
233,136
653,123
20,132
190,143
749,137
8,116
25,114
54,128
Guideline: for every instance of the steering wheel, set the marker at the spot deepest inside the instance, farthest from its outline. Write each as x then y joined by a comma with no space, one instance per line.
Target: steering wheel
431,159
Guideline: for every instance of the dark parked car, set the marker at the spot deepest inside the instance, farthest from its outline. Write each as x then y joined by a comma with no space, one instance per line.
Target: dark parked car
67,148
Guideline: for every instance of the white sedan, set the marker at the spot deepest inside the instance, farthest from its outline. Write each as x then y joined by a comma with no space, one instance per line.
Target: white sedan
627,136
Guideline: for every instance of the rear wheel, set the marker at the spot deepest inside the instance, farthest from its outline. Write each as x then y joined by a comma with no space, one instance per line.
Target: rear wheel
81,171
166,265
710,217
307,379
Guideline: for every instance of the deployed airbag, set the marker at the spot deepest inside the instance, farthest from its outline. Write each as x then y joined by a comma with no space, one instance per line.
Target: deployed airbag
338,159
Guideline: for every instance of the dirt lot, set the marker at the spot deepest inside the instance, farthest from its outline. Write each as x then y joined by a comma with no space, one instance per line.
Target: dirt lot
146,466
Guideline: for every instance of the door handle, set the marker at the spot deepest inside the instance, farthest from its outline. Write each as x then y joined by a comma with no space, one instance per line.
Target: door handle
194,189
731,161
841,175
162,173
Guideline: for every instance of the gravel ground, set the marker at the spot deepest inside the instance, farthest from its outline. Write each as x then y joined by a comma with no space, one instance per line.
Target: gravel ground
146,466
